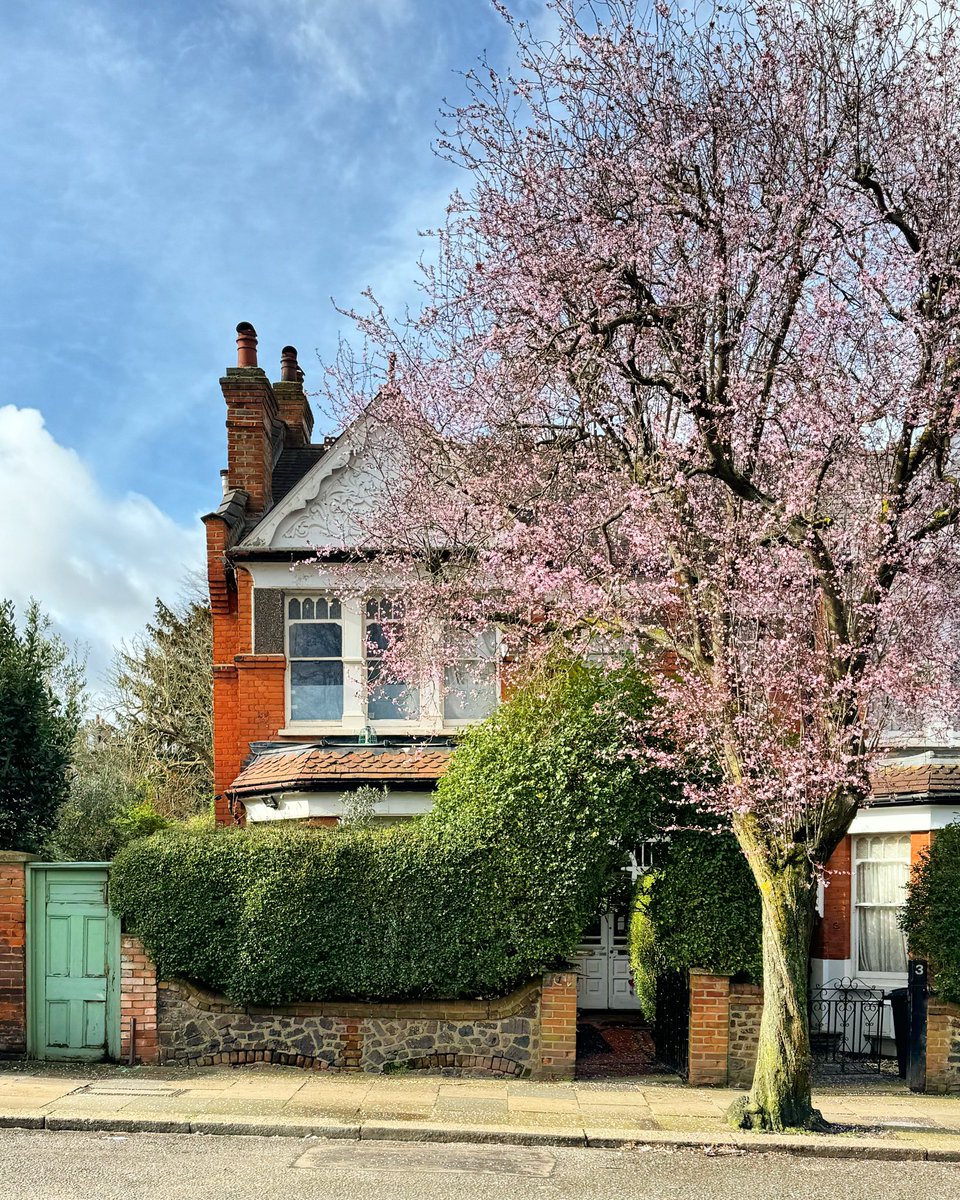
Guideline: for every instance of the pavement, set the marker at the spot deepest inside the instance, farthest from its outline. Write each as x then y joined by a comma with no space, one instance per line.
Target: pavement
882,1121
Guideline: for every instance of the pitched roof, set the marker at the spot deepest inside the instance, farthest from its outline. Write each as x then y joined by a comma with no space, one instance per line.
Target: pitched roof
317,768
292,465
934,779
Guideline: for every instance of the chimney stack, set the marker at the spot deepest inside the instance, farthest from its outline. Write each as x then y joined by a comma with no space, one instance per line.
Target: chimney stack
251,420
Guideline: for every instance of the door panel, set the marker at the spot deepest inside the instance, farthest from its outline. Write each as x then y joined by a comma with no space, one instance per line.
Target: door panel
621,990
74,953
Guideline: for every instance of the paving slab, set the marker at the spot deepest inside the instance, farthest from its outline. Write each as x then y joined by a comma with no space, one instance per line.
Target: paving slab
282,1101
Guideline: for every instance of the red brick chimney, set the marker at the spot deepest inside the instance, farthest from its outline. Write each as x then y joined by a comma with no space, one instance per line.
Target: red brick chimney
292,400
252,417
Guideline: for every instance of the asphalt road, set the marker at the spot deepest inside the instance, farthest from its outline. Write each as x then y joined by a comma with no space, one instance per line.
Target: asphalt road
80,1166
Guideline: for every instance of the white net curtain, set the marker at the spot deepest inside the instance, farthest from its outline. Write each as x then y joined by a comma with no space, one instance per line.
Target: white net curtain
882,863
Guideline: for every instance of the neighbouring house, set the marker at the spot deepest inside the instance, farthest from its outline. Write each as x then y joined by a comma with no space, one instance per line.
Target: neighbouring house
916,791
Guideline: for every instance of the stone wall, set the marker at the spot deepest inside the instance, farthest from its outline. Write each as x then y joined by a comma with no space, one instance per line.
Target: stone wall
746,1005
532,1032
943,1046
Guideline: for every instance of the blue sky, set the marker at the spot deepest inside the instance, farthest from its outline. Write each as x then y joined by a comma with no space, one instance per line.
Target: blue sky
169,169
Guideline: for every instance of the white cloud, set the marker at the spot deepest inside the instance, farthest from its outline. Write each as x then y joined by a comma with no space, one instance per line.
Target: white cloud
94,563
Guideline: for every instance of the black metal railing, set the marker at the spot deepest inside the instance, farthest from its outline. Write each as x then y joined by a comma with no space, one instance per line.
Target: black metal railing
847,1032
671,1032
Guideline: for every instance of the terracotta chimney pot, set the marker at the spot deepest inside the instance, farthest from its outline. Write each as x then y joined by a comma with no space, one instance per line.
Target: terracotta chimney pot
289,367
246,345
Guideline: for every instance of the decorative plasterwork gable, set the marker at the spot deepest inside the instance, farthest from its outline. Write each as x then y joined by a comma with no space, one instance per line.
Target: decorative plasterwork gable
328,507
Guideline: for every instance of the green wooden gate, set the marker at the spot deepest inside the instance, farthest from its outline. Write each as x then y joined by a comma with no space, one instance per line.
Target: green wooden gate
73,957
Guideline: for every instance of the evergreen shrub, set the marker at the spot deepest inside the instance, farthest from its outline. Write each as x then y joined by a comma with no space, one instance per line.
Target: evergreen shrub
931,916
699,908
491,887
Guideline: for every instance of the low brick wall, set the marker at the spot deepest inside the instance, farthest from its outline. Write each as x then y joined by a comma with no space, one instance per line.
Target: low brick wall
943,1046
13,953
530,1033
138,1003
724,1030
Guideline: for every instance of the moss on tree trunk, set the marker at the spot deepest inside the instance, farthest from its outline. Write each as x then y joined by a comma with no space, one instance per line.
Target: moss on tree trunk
780,1096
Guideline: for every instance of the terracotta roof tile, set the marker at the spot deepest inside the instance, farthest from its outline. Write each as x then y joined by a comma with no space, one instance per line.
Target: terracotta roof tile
922,779
312,767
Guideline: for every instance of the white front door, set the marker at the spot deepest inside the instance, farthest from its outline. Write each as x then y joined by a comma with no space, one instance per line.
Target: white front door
591,963
604,978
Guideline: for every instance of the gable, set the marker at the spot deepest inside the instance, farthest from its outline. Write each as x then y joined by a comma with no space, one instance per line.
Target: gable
328,506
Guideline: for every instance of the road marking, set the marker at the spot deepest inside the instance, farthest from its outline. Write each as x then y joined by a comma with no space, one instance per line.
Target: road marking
432,1157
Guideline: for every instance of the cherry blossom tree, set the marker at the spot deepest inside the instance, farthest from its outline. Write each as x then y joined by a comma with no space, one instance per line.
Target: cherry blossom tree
684,383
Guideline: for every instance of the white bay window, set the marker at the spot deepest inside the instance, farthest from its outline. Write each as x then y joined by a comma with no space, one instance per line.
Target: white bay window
340,677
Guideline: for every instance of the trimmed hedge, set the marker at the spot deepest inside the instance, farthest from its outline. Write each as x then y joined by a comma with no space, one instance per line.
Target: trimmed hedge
703,906
493,886
931,916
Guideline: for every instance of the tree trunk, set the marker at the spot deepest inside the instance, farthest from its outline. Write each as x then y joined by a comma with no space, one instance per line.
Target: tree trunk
780,1096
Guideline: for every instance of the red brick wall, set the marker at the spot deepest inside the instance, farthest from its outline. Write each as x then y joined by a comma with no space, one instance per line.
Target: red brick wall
558,1026
831,938
709,1029
248,691
138,1002
13,962
919,841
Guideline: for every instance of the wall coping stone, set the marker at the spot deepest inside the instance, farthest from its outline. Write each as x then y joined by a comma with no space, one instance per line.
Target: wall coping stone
17,856
452,1010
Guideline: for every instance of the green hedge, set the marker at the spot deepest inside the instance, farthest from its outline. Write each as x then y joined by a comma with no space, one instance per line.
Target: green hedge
702,906
493,886
931,916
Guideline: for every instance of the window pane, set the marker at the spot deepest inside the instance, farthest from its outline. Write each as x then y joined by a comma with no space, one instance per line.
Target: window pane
394,702
882,882
377,640
308,610
321,610
470,691
335,613
316,641
316,691
293,611
882,944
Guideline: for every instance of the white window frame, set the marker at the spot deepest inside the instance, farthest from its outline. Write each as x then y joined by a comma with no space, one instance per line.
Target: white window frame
881,978
355,667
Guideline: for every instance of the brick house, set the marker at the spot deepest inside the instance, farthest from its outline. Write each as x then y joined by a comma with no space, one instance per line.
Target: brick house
299,719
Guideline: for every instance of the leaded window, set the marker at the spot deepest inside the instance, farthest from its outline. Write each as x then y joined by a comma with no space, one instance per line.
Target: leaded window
470,683
315,655
388,698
